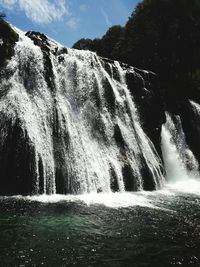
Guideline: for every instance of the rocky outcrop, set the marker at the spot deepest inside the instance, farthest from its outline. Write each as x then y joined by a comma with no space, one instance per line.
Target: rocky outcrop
73,122
17,166
189,113
144,86
8,38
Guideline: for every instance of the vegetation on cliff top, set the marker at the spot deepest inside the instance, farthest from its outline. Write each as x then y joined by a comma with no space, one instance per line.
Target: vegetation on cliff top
8,38
160,35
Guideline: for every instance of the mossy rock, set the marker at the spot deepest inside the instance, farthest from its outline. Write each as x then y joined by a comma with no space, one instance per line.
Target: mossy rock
8,38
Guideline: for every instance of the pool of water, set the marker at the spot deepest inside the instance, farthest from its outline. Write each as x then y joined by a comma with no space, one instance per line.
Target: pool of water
132,229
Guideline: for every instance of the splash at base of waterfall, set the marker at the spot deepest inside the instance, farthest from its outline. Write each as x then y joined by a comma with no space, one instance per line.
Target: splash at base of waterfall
146,199
69,124
190,186
179,161
160,228
74,123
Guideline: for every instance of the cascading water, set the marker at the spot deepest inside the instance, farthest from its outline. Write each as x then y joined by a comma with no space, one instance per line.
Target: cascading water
179,161
196,107
73,123
78,120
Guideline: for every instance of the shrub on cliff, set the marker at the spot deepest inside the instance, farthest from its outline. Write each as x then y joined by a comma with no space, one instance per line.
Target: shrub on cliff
105,47
163,36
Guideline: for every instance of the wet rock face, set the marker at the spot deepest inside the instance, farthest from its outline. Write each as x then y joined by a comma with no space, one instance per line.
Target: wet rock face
119,138
144,87
80,127
190,118
109,96
8,38
128,177
41,40
113,181
17,161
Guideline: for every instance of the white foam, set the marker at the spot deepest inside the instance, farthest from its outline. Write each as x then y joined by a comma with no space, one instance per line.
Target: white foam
113,200
153,199
190,186
176,153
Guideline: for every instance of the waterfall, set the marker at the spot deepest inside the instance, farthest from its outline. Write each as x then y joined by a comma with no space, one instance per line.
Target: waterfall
179,161
77,121
195,106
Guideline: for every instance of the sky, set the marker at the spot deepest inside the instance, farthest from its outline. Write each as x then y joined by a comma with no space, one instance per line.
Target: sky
67,21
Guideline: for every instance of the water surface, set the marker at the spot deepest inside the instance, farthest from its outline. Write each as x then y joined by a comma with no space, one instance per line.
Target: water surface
132,229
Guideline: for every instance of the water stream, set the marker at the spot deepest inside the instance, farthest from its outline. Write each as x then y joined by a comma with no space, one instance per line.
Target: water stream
86,148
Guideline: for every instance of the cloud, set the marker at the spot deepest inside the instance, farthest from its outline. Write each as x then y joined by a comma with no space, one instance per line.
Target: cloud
39,11
8,3
83,7
72,23
106,18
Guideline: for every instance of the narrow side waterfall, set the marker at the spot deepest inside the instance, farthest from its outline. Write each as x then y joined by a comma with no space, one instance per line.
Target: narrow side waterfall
70,124
179,161
196,107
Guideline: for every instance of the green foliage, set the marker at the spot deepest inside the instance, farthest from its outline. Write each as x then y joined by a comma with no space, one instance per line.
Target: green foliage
88,44
83,44
105,47
2,15
111,40
163,36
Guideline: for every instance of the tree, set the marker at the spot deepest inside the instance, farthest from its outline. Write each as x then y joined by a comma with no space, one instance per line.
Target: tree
88,44
104,47
110,40
162,36
2,15
83,44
